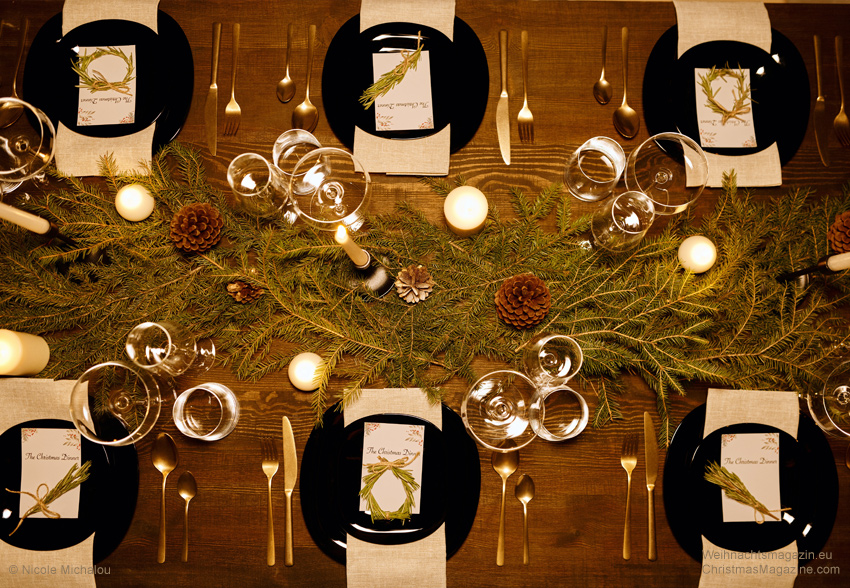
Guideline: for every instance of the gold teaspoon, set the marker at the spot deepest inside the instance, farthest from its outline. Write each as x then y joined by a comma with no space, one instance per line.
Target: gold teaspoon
524,492
505,464
626,120
164,457
187,488
306,116
10,112
286,86
602,87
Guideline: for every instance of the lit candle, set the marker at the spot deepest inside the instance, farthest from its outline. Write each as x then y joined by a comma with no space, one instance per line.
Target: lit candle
354,251
24,219
303,370
22,354
466,210
134,202
697,254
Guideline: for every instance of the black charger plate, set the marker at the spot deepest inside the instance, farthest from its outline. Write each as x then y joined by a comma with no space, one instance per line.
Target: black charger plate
330,482
808,486
780,92
164,74
107,498
460,79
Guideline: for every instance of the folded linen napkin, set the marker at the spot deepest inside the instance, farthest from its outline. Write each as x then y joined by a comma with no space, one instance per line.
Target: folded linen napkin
79,155
21,400
378,566
746,22
776,409
429,155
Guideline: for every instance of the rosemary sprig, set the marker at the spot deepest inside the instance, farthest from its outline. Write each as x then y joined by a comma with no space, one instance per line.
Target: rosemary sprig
735,489
75,476
97,82
392,78
742,97
408,482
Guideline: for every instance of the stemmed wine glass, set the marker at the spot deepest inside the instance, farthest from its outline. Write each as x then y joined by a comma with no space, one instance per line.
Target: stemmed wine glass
27,145
621,222
259,187
495,411
830,406
166,348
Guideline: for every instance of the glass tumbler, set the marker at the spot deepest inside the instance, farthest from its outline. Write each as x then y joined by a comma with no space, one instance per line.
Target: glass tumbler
551,360
620,223
208,412
168,348
594,169
259,187
558,413
288,150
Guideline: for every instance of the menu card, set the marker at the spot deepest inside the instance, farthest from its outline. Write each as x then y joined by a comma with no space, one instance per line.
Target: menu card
108,90
408,105
46,457
724,107
753,457
402,444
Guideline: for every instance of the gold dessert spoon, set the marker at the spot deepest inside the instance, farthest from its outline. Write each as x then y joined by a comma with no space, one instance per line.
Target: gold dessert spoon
505,464
164,457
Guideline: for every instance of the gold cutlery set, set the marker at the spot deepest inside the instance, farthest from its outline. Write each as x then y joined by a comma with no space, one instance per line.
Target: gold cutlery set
165,459
628,459
505,464
841,123
270,465
525,120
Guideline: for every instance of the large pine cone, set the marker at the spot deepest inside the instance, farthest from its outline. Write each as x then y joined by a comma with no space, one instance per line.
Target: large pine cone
196,228
839,233
523,301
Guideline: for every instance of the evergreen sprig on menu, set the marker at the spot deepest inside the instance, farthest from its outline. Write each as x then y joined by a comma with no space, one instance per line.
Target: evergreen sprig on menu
632,313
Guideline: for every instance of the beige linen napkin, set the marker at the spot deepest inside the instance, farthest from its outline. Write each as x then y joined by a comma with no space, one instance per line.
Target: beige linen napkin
428,156
776,409
21,400
79,155
746,22
389,566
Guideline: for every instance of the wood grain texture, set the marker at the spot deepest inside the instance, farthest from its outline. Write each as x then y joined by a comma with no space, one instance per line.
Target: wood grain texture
576,515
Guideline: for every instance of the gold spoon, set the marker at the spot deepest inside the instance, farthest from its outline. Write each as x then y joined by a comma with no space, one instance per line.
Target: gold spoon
10,112
306,116
286,86
164,457
187,488
505,464
602,87
626,120
524,492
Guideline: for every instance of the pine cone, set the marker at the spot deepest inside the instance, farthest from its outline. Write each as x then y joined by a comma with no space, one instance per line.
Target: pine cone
244,292
196,228
839,233
523,301
414,283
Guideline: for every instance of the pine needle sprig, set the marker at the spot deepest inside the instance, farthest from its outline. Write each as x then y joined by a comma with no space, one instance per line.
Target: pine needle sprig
735,489
75,476
392,78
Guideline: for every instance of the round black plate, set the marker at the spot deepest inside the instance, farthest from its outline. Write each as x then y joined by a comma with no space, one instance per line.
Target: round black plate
807,477
164,74
460,79
779,83
107,498
330,482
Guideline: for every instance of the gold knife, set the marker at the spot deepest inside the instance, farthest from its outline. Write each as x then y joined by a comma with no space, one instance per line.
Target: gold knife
211,108
650,443
290,474
822,122
503,123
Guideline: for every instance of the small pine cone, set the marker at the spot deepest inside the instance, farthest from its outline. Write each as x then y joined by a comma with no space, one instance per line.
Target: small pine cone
414,283
839,233
523,301
196,228
244,292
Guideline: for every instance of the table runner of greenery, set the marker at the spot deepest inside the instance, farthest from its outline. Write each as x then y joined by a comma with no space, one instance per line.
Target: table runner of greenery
637,312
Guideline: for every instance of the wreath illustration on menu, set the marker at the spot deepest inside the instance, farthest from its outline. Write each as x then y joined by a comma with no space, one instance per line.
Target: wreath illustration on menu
741,94
93,80
398,469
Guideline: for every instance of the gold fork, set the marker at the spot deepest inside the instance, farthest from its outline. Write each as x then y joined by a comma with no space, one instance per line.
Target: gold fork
525,122
270,465
232,113
629,460
841,123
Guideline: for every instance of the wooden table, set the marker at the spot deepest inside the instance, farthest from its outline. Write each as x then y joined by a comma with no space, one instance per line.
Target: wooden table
577,514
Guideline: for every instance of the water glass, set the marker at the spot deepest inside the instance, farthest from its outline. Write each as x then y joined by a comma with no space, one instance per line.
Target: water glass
620,223
551,360
288,150
594,169
208,412
168,348
259,187
558,413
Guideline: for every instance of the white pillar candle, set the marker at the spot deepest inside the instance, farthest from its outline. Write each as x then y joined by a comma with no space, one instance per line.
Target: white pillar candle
354,251
134,202
697,254
303,370
838,262
24,219
466,210
22,354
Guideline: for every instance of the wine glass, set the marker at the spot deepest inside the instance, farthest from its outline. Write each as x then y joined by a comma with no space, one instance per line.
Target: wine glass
495,411
594,169
830,406
259,187
671,169
620,223
288,150
330,187
27,145
168,348
550,359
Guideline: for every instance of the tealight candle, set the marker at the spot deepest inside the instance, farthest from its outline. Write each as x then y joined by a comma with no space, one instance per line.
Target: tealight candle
22,354
303,370
465,209
355,252
697,254
134,202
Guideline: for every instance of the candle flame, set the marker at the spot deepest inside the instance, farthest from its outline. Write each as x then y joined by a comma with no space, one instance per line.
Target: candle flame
341,234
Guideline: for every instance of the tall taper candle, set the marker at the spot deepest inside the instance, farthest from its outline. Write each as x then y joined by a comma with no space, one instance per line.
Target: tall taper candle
24,219
357,255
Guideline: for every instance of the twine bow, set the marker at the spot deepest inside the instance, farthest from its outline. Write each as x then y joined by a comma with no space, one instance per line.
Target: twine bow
40,504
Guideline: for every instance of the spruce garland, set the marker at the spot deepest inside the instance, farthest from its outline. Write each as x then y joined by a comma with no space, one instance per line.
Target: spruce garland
636,312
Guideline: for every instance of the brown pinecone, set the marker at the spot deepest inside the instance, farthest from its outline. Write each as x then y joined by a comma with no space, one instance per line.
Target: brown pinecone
196,228
244,292
523,301
414,283
839,233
